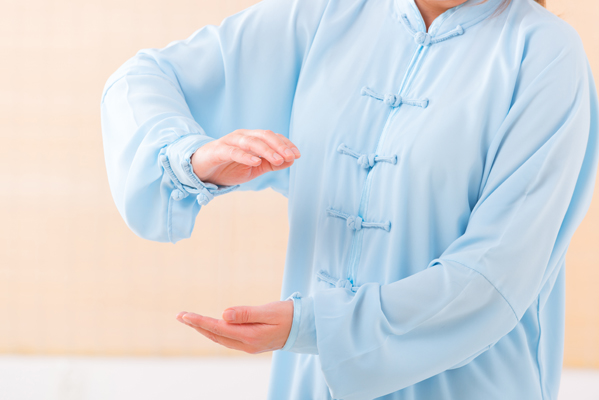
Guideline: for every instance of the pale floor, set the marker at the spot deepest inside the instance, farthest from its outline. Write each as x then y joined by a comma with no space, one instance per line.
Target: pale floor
70,378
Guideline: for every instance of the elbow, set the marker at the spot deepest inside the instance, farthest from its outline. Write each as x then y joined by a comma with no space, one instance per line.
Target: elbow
142,63
117,75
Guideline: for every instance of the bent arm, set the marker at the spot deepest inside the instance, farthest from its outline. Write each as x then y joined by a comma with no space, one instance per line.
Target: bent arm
163,104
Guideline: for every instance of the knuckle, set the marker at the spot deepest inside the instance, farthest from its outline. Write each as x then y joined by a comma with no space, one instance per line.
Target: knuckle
230,137
262,134
231,154
246,141
245,315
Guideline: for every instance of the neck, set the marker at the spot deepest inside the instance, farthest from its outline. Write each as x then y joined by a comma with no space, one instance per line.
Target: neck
431,9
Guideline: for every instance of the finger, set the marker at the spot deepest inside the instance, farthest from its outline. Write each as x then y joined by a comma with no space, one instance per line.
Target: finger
238,155
217,338
266,166
265,314
218,327
179,316
252,143
275,141
290,144
227,342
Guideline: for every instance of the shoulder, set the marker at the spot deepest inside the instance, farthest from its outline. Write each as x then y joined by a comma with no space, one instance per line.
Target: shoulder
543,33
544,47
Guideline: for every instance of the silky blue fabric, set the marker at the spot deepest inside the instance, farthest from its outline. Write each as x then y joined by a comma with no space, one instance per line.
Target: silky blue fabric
442,176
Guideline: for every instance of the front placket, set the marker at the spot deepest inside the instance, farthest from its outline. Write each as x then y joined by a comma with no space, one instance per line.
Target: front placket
358,222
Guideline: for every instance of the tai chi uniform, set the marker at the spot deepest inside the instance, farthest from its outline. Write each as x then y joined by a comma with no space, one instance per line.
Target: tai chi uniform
442,176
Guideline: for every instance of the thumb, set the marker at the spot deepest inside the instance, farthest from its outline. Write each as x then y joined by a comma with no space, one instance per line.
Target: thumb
240,315
247,315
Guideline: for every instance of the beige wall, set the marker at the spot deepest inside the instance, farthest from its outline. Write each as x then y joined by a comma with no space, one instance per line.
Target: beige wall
73,278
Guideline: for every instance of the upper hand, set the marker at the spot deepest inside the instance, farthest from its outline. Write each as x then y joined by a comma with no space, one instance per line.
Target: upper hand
250,329
242,155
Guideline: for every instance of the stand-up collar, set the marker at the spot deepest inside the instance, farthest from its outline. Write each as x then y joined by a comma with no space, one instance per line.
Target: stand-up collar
451,23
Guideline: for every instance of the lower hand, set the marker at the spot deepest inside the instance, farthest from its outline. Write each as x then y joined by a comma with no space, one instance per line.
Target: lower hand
243,155
250,329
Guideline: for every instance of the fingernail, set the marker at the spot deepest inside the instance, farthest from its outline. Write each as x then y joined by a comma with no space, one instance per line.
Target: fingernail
255,159
187,319
276,156
179,316
229,315
289,153
296,151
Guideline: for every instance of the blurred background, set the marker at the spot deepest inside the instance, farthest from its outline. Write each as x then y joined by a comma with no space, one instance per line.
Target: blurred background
87,309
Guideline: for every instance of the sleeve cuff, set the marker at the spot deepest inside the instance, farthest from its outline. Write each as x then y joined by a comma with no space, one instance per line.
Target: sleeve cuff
176,160
302,337
179,153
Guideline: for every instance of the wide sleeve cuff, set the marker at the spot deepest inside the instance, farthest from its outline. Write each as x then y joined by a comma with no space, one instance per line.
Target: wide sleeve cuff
176,159
302,337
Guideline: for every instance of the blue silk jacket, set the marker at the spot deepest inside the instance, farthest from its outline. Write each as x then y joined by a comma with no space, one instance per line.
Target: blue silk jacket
443,174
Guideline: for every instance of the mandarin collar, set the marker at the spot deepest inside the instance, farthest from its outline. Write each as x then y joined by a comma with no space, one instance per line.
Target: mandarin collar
455,20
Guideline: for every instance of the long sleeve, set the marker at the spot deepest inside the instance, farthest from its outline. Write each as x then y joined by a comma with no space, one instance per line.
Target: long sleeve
536,187
163,104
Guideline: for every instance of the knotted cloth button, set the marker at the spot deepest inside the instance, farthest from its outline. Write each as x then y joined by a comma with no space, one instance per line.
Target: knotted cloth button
354,223
177,195
366,160
392,100
422,38
204,197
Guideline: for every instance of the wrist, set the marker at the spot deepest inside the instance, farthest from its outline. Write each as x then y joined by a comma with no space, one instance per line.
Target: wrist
302,336
179,155
196,165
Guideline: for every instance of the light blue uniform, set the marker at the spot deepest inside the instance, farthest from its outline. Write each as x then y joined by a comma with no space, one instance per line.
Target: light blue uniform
442,177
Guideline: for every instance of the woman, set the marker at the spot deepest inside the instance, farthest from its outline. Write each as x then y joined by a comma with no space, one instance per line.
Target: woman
448,153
